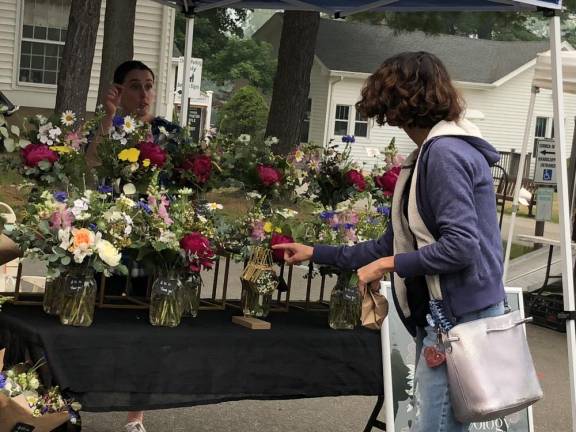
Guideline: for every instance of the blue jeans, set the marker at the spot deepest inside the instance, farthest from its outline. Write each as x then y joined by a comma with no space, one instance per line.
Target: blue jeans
431,396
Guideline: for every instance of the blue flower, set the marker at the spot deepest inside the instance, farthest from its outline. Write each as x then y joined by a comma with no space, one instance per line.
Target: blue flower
144,206
384,211
325,215
349,226
93,227
2,381
105,189
60,196
118,121
348,139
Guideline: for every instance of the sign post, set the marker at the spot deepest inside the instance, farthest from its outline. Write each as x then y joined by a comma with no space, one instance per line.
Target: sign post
545,177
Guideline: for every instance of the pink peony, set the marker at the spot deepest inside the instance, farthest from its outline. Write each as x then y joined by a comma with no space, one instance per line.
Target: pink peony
356,179
200,165
269,176
33,154
153,152
198,251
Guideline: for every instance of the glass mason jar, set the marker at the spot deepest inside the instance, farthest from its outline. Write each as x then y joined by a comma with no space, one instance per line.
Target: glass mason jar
78,297
52,301
254,302
345,302
165,300
191,286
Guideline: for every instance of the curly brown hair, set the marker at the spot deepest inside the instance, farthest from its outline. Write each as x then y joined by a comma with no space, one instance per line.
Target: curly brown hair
412,89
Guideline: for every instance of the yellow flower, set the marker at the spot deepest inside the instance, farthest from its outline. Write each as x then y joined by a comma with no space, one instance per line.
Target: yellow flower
130,155
278,230
268,227
299,156
146,163
62,149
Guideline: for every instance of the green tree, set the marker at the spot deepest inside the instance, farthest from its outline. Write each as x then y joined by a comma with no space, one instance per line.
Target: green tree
244,113
244,59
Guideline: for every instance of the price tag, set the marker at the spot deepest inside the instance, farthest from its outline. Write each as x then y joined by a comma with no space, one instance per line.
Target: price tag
76,284
166,287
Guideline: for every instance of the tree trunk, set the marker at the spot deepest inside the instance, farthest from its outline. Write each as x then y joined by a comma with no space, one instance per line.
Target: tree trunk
74,75
292,81
118,45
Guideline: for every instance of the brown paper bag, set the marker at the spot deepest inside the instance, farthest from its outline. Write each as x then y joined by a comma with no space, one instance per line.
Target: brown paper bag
374,307
15,410
8,250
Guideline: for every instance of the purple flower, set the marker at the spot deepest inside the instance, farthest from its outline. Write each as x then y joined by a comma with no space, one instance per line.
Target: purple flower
60,196
144,206
384,211
325,215
93,227
349,139
349,226
118,121
105,189
2,381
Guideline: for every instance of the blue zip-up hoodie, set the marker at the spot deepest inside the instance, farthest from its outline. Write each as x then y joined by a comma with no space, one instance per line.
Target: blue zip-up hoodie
456,200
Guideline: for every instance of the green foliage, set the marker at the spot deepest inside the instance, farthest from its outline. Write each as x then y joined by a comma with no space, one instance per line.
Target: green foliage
245,113
244,59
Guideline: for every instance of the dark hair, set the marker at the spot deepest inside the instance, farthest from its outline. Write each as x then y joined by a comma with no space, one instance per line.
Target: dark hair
128,66
412,89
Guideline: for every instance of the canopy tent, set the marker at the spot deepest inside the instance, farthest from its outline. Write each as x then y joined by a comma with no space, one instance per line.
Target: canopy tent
348,7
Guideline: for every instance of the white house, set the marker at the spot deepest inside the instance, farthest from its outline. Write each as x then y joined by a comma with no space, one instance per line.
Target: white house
32,35
494,78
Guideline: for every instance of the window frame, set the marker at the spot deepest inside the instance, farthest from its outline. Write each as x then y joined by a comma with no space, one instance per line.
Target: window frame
351,122
18,61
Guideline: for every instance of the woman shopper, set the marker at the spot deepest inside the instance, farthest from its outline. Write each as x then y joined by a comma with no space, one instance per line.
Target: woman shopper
132,93
444,234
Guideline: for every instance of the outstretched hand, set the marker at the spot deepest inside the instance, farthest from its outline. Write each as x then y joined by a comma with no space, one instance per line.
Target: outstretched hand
295,253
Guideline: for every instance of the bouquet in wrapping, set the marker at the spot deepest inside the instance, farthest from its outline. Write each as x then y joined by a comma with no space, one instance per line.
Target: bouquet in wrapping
328,174
24,400
49,151
130,156
70,231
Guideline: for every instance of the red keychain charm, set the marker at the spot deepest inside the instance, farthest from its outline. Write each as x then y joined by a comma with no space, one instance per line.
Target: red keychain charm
434,357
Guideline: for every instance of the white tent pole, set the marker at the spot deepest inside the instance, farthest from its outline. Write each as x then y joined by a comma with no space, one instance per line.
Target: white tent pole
562,176
187,72
518,185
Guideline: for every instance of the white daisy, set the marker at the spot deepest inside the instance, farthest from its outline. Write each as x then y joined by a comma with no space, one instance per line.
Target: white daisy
254,195
68,118
214,206
244,138
270,141
129,124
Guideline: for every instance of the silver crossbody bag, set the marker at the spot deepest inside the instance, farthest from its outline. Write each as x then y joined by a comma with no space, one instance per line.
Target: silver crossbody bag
490,370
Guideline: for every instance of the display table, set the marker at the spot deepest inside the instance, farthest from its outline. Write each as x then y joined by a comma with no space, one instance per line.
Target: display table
122,362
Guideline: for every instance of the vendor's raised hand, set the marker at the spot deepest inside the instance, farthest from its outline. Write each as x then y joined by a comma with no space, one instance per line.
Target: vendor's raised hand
295,253
374,271
112,100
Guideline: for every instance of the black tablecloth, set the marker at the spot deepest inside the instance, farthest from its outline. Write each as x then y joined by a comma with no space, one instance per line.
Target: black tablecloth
122,362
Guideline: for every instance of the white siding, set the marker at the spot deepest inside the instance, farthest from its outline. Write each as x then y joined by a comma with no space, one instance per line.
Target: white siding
319,82
153,38
505,109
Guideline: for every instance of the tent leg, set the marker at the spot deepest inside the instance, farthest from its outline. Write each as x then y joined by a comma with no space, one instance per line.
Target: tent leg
562,176
518,184
187,72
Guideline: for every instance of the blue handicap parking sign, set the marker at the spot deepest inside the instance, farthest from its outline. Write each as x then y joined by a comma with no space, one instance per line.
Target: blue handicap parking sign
547,175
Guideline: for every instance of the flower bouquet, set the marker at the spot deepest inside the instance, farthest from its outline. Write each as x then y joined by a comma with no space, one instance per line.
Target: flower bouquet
173,240
50,151
384,178
327,173
72,236
24,400
130,156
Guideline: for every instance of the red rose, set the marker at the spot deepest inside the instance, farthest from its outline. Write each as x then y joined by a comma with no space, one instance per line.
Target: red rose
356,179
153,152
387,181
33,154
278,254
200,165
198,251
269,176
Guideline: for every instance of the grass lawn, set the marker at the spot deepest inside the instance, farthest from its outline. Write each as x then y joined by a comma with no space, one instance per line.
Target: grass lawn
523,210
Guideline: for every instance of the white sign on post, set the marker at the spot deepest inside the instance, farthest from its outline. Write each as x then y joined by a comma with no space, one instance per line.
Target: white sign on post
398,361
195,77
545,161
544,201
